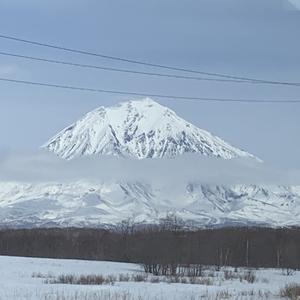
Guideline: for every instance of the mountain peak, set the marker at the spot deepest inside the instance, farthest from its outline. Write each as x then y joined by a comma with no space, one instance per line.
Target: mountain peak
146,101
137,129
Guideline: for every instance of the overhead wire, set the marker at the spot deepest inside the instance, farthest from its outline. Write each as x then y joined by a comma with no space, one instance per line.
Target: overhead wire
74,64
171,97
144,63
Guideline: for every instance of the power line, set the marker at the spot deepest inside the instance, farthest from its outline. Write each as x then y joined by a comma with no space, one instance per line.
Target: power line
73,64
118,70
138,62
172,97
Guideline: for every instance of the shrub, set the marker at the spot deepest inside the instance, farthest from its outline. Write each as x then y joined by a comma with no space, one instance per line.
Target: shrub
124,277
41,275
110,279
139,277
288,271
204,281
173,279
200,280
291,291
249,276
184,280
155,280
82,279
223,295
229,275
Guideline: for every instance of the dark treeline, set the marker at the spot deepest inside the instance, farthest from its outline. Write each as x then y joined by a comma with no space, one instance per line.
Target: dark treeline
155,246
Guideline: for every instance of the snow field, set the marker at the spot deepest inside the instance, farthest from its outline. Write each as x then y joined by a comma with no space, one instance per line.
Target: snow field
24,279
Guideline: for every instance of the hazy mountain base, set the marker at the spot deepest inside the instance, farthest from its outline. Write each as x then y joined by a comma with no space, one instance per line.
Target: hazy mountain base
91,204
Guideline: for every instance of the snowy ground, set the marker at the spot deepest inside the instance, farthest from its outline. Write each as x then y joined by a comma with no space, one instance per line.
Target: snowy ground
19,281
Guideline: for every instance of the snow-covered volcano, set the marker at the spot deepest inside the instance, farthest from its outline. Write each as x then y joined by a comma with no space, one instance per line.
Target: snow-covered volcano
137,129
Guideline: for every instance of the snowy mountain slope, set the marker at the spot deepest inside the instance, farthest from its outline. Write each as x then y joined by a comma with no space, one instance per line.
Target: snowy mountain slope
137,129
99,204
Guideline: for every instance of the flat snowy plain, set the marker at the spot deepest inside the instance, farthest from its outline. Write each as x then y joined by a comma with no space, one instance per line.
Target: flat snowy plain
20,280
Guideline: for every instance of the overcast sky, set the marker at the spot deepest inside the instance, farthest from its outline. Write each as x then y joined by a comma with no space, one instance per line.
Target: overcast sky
257,38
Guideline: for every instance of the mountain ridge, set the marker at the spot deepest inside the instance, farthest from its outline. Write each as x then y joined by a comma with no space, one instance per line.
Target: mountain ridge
94,204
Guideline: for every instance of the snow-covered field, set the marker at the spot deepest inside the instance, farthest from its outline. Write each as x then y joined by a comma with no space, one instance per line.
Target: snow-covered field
24,279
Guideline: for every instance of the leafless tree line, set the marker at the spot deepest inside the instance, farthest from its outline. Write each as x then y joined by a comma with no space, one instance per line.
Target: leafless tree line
164,249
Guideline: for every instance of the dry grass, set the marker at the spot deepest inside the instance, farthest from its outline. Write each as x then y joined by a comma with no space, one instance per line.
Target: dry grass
223,295
291,291
42,275
111,280
81,280
248,276
200,280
